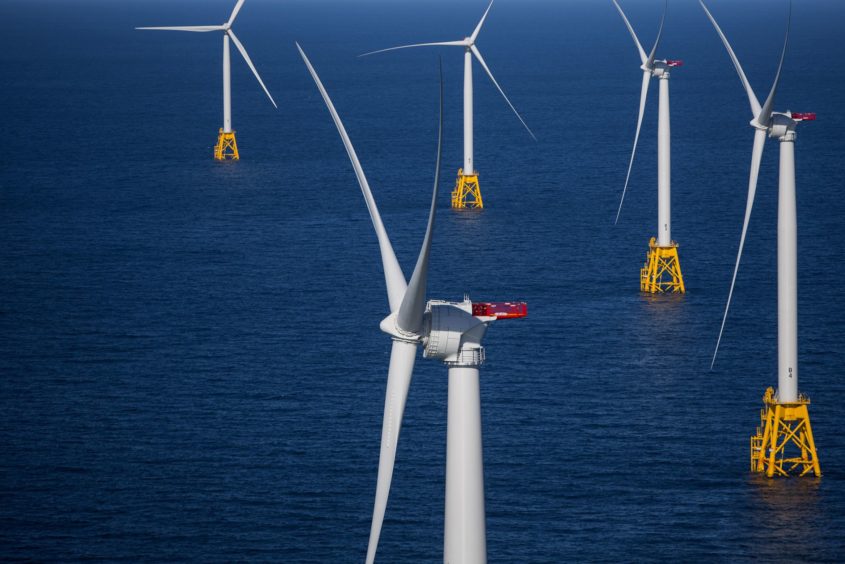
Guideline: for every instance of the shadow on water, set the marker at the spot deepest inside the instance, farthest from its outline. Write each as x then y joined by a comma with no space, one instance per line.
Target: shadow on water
662,316
786,512
663,307
467,217
472,228
786,499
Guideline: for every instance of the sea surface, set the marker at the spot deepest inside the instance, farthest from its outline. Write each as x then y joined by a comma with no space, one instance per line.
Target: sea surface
191,367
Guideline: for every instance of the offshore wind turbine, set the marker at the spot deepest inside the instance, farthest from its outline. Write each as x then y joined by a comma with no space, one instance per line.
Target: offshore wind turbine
662,270
447,331
467,193
784,441
226,147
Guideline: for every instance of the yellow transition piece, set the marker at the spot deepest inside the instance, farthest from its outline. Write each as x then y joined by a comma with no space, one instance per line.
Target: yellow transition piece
226,148
467,194
784,443
662,270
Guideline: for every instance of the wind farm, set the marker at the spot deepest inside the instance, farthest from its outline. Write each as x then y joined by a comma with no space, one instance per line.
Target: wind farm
213,361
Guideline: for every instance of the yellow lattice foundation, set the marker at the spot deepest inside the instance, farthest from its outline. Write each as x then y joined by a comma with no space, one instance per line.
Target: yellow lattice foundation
226,148
467,194
784,443
662,270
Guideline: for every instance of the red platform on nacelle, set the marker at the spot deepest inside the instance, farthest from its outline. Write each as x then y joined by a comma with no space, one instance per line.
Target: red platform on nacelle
804,116
500,310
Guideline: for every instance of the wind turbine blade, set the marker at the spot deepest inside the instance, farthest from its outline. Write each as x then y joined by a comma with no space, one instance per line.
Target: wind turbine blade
237,9
752,99
393,277
650,62
251,66
410,316
766,111
480,23
478,56
756,156
402,357
643,97
197,28
643,57
438,44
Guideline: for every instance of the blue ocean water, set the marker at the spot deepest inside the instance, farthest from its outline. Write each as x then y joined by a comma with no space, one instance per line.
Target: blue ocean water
190,360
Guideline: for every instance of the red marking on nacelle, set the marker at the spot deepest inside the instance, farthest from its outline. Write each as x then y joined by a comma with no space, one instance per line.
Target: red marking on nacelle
500,310
674,63
807,116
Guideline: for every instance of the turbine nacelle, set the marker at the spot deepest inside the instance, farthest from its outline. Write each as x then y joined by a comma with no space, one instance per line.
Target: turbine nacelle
454,330
783,124
453,334
661,68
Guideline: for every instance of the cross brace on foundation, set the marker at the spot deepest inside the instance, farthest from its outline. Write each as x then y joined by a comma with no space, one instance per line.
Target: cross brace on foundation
784,444
467,194
662,270
226,148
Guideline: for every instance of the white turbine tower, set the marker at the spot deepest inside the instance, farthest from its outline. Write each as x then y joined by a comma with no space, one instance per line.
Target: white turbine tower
467,193
448,331
227,147
785,420
662,271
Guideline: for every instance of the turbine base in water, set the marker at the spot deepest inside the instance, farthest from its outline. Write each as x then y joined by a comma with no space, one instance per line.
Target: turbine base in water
467,194
226,148
784,444
662,271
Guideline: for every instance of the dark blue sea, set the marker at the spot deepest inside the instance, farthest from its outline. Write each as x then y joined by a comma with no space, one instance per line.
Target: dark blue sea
190,362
